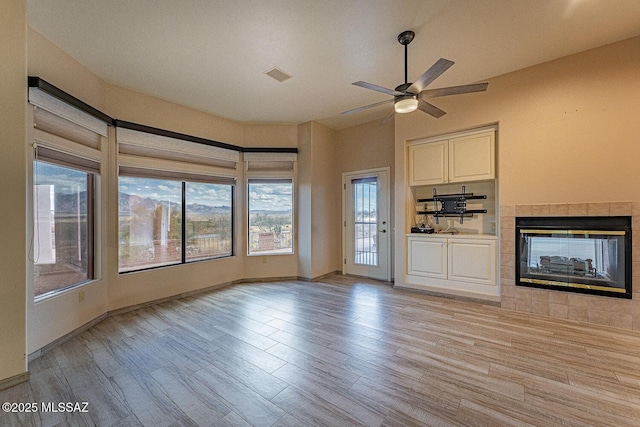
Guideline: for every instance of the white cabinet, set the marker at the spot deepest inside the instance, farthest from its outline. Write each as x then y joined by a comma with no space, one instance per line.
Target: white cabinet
458,264
472,158
472,261
428,163
469,157
427,257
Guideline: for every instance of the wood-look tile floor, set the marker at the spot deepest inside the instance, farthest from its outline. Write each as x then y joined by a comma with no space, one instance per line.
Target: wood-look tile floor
339,352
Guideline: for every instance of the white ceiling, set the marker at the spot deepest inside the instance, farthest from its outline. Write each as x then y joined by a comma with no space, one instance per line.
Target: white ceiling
212,54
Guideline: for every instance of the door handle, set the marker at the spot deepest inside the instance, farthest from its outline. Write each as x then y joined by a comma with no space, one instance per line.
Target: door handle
383,231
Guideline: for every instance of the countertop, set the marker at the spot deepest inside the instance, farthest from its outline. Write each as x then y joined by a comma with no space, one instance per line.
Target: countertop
454,236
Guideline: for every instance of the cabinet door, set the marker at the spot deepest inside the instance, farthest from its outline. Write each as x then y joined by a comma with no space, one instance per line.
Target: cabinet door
472,158
428,163
427,257
472,260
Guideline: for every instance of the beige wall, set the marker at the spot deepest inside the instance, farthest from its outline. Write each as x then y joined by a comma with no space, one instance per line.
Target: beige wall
568,131
13,95
325,202
268,135
368,146
48,62
303,202
318,202
128,105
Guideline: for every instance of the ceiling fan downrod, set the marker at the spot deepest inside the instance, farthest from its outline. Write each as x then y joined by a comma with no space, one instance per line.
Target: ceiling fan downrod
404,38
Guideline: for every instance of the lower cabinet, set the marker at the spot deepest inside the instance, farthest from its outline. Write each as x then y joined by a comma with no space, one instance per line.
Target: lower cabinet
427,257
455,263
472,261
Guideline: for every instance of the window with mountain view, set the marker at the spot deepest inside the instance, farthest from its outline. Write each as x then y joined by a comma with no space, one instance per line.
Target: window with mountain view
270,216
152,229
209,220
63,227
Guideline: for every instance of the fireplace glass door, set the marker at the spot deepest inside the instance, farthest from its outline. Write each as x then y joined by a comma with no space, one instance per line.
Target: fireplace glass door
588,255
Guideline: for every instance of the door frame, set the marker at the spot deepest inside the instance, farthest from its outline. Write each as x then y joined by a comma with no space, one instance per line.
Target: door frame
387,214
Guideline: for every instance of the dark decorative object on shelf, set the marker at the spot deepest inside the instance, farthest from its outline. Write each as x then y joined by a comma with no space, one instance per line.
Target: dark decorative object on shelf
451,205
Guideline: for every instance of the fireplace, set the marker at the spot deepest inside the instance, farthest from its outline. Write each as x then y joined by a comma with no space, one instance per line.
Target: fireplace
577,254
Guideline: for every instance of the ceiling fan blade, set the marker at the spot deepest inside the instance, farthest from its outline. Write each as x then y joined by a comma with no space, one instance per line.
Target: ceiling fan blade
355,110
388,117
378,88
430,109
455,90
430,75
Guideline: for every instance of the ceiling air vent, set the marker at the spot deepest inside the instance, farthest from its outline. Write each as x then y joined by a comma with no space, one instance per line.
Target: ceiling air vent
277,74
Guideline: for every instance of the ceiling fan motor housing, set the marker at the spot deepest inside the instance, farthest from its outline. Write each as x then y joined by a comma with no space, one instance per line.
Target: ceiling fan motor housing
403,87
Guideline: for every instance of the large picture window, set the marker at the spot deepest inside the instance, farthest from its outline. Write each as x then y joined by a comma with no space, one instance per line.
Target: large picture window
270,216
152,229
63,227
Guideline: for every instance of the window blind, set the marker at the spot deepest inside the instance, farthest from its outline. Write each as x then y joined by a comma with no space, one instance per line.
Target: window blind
270,162
64,158
209,178
148,155
59,118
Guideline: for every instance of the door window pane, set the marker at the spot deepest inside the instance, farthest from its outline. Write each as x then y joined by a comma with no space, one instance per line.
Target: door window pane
270,217
63,227
209,220
150,221
365,221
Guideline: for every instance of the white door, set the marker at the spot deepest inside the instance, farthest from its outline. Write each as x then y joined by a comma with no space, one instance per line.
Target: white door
367,233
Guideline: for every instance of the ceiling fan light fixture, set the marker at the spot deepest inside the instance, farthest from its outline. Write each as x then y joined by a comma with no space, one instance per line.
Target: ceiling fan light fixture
406,104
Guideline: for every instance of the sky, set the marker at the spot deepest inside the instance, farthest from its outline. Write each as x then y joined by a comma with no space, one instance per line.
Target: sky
262,196
64,179
158,189
272,196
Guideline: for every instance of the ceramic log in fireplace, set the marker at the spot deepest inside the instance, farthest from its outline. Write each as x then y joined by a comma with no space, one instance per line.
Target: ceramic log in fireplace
577,254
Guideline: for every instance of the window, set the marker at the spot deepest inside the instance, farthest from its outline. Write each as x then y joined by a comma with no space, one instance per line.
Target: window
209,220
67,143
151,226
365,220
63,227
150,217
270,216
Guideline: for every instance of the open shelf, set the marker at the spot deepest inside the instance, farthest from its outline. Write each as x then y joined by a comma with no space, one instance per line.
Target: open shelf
451,205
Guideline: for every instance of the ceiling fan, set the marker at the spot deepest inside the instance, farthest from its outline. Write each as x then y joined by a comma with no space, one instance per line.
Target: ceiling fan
408,97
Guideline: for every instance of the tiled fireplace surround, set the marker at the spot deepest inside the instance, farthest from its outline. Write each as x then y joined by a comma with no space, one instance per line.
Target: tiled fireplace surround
601,310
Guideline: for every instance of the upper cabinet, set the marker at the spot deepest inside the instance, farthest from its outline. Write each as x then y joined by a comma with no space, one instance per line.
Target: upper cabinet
469,157
428,163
